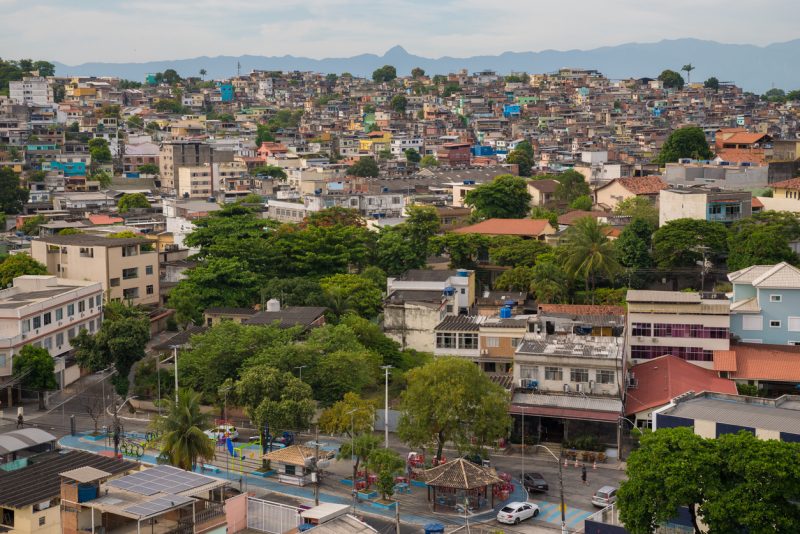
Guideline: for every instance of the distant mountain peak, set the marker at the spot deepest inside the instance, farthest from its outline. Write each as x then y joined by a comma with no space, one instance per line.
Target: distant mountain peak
395,51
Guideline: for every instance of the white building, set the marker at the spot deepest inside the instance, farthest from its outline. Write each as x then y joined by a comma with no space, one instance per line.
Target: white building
48,312
31,90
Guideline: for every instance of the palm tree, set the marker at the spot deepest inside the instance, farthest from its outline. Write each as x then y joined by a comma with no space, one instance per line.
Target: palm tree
183,440
588,252
203,74
688,68
548,280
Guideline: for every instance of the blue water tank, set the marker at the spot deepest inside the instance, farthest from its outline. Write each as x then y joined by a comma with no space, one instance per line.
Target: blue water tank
463,273
86,492
505,312
434,528
449,290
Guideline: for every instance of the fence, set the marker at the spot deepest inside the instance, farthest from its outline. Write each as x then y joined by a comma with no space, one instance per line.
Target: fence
271,517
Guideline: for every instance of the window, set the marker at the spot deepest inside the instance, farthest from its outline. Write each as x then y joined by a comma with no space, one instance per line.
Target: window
605,376
752,322
463,291
130,250
86,252
37,322
515,341
793,324
26,326
48,343
71,334
445,340
59,314
98,300
553,373
70,310
468,341
59,339
3,361
127,274
148,270
114,282
41,521
527,371
48,318
290,470
81,306
130,293
7,518
774,324
492,342
149,290
579,375
641,329
775,298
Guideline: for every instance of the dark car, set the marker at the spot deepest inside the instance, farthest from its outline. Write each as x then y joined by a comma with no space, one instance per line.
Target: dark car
534,482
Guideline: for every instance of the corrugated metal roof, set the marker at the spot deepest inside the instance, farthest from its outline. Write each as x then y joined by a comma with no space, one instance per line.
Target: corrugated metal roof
22,439
575,402
643,295
736,412
458,323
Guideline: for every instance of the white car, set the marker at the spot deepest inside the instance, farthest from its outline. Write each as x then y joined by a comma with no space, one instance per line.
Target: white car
222,432
514,512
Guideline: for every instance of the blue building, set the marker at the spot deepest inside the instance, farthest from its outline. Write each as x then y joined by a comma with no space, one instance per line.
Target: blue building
72,168
225,92
766,304
482,150
511,110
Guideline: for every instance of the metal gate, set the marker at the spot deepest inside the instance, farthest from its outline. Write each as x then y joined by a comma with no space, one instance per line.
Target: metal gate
271,517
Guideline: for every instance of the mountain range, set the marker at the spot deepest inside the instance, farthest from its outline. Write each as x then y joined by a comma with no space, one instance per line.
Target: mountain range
754,68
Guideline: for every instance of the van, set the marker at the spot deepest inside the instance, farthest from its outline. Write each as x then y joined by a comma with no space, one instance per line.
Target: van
605,496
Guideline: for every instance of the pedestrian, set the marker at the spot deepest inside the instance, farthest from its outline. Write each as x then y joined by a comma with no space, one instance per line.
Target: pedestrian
20,421
583,474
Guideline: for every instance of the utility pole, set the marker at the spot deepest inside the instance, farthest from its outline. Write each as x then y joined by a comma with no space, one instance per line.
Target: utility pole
386,406
316,468
175,360
397,517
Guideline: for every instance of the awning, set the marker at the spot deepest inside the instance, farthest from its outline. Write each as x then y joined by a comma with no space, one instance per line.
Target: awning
564,413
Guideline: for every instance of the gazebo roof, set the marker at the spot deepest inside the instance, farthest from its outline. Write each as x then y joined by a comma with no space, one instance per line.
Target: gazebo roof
460,474
292,455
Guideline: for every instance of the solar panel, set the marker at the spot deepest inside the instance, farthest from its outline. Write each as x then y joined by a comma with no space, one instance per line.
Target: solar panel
160,479
158,505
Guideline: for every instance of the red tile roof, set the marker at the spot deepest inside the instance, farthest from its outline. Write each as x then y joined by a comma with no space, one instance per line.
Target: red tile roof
569,218
643,185
662,379
725,360
544,185
792,183
105,219
582,309
755,203
520,227
740,137
780,363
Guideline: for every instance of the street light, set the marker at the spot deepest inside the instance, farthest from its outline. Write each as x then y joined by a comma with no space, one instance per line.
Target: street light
561,488
301,367
386,406
175,359
351,413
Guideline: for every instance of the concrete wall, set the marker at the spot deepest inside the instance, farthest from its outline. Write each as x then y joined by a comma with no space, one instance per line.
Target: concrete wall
673,205
412,325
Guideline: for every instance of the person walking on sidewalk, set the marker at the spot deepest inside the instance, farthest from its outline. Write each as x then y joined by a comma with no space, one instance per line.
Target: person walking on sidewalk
583,475
20,421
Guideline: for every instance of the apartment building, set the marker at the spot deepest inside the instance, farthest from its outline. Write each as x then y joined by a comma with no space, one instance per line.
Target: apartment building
47,312
690,326
195,182
31,90
179,153
711,205
127,268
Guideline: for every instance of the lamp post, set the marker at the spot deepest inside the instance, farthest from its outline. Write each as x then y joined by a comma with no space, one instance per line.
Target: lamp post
175,360
561,488
301,367
351,413
386,406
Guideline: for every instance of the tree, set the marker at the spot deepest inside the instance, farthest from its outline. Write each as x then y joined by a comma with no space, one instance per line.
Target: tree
677,243
516,279
712,83
362,295
272,171
358,448
549,281
386,463
399,103
32,224
12,196
540,212
417,72
203,73
396,254
183,441
672,467
99,151
638,208
294,291
588,251
364,167
36,368
686,142
264,134
100,176
523,162
504,197
463,249
633,250
149,168
171,77
671,79
688,68
130,201
252,198
428,160
452,400
571,185
349,415
582,203
762,244
387,73
19,265
515,251
775,95
45,68
412,156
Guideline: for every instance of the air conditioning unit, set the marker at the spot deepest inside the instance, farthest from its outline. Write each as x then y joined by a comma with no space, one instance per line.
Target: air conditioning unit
566,388
484,352
579,388
591,385
654,340
632,383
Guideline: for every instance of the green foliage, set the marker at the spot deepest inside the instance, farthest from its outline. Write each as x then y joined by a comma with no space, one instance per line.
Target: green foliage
274,397
12,196
100,176
387,73
294,291
412,156
517,78
130,201
633,248
763,239
516,279
676,244
338,419
749,390
671,79
264,134
396,254
417,72
358,448
398,103
450,89
69,231
638,208
428,160
146,380
452,400
183,441
588,252
148,168
32,224
712,83
504,197
120,341
583,203
386,463
352,292
170,105
463,249
99,151
516,251
571,185
522,160
269,170
549,281
540,212
15,70
686,142
18,265
603,296
364,167
37,176
40,369
775,95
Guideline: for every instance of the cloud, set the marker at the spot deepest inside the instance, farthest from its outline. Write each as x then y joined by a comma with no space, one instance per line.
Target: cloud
143,30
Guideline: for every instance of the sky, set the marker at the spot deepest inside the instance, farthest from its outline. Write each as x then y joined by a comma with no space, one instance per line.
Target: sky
78,31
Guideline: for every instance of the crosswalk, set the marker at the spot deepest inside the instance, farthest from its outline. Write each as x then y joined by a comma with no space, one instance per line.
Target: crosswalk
551,513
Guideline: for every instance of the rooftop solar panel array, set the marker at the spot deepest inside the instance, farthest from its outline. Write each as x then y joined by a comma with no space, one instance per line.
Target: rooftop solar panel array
158,505
160,479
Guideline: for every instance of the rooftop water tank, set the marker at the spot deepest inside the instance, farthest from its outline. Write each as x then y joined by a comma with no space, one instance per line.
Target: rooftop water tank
463,273
273,305
505,312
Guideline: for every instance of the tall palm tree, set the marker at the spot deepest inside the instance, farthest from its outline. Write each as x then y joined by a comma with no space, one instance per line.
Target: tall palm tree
588,252
688,68
183,440
203,74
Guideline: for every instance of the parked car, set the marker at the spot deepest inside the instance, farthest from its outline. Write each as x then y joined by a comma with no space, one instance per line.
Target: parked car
534,482
222,432
604,496
514,512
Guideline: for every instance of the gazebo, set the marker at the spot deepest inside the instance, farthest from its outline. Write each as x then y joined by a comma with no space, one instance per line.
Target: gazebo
460,482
